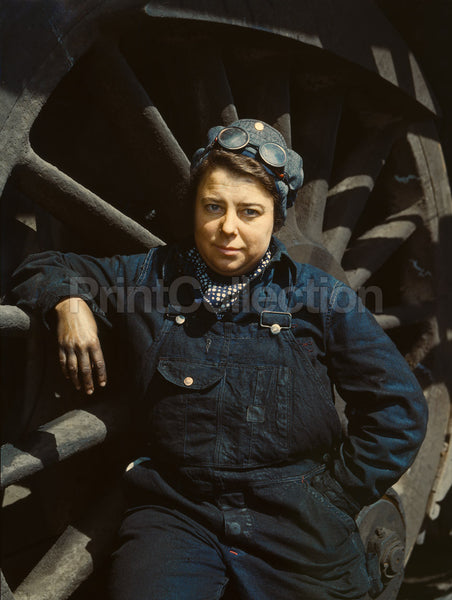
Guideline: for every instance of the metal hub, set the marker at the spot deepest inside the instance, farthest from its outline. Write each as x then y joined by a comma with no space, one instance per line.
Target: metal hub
382,530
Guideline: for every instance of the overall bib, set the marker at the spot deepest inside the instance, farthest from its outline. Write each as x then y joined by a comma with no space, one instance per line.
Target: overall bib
240,422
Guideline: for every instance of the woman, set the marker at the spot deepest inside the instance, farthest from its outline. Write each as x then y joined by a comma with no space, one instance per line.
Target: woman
248,481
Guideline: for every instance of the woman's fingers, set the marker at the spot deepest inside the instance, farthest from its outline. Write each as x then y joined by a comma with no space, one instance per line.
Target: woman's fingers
85,375
72,368
98,363
80,354
84,366
63,362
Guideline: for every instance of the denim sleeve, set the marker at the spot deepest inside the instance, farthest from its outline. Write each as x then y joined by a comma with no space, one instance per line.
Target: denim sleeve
44,279
385,406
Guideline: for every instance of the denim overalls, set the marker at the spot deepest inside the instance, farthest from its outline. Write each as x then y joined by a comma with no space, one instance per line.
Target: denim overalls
236,407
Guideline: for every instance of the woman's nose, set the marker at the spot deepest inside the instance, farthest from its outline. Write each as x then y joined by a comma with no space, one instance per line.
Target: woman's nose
229,223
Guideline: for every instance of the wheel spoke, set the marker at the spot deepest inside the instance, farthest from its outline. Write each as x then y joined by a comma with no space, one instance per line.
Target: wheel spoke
6,591
142,128
351,188
376,246
212,93
80,209
305,250
13,321
60,439
316,117
261,88
206,90
72,557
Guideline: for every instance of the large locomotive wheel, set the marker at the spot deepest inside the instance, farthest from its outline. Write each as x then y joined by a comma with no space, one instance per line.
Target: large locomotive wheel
100,106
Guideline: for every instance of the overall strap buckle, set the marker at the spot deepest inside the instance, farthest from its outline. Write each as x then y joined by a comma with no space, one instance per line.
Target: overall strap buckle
275,320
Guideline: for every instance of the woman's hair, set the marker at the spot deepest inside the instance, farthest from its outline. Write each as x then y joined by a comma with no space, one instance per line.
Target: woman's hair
240,165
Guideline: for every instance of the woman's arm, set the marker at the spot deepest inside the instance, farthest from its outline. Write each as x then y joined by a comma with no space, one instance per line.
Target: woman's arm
385,406
73,291
45,279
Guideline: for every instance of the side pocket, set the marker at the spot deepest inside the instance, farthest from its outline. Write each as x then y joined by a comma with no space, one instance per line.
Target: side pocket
329,487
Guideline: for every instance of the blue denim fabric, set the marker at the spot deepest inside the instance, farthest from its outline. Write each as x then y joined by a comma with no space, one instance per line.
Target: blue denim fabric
257,406
275,536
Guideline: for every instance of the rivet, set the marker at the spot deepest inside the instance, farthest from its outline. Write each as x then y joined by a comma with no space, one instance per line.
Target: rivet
259,126
180,319
275,328
188,381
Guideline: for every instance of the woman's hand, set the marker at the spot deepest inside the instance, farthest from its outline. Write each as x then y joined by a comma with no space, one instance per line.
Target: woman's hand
79,350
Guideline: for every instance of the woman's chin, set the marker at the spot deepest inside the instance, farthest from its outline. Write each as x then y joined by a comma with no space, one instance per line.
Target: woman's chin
227,267
228,271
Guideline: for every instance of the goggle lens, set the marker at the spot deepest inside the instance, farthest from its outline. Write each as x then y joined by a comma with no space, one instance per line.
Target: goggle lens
235,138
273,154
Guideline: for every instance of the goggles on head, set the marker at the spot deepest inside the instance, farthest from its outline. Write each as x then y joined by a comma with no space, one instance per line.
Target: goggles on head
271,154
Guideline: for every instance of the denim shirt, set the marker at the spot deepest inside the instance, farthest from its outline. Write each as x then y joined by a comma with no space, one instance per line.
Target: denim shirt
329,336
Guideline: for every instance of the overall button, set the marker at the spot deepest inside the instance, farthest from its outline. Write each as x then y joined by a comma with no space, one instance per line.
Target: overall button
188,381
275,328
233,528
180,319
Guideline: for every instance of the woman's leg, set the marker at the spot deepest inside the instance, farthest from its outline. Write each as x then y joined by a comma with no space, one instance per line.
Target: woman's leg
164,555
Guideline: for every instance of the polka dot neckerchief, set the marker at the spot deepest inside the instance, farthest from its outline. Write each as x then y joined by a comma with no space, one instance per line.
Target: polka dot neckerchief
221,295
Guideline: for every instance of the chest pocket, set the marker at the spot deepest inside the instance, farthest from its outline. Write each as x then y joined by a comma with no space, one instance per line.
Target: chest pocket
185,399
190,375
206,414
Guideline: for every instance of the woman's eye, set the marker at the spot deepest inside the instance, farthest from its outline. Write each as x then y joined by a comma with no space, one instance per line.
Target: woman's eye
213,208
251,212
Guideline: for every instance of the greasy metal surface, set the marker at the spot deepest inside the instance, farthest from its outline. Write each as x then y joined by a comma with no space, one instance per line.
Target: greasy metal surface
76,552
59,32
75,432
80,209
330,26
13,321
5,592
443,480
378,524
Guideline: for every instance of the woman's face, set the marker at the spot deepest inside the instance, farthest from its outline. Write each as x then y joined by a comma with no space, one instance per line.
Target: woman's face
233,221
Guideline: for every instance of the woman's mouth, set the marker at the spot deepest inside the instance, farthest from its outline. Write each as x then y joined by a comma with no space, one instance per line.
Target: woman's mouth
229,250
